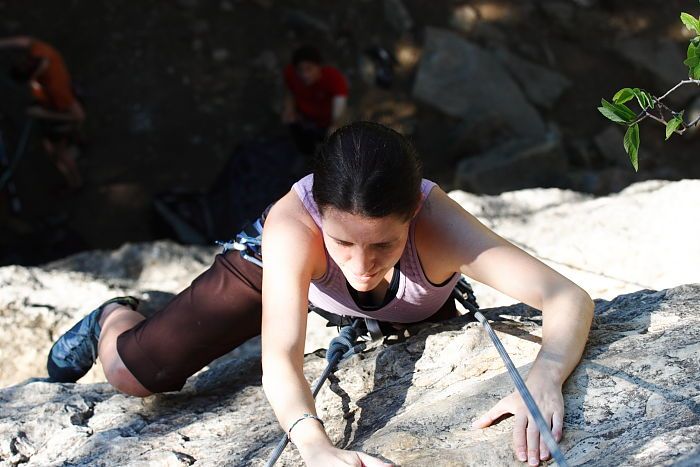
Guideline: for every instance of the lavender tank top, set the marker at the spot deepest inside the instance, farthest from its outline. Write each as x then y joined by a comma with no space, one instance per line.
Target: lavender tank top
416,298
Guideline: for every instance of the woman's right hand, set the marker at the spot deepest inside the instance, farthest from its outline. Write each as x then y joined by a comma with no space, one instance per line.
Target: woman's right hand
330,456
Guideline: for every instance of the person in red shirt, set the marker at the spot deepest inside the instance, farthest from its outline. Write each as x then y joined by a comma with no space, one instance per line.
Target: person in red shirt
316,99
42,67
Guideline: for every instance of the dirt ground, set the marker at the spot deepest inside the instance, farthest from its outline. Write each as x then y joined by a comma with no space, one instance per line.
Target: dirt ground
171,88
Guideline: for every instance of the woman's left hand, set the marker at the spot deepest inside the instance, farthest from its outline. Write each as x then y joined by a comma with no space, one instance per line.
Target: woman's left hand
527,442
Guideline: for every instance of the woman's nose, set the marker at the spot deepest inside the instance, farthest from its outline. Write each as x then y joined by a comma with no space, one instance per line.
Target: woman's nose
362,263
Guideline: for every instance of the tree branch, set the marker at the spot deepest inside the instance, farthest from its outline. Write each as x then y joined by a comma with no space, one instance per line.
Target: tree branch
682,83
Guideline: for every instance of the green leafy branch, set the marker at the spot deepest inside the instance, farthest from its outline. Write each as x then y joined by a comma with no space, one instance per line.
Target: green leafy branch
651,106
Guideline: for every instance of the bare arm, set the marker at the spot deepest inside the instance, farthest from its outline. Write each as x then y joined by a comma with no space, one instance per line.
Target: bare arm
567,311
481,254
293,251
286,278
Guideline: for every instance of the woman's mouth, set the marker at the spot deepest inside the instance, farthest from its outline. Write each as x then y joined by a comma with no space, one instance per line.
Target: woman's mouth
364,277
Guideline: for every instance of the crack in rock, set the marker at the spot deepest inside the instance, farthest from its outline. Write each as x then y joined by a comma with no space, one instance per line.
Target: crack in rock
184,458
21,449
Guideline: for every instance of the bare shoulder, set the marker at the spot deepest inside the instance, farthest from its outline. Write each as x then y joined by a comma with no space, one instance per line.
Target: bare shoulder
289,211
291,235
439,216
435,225
446,234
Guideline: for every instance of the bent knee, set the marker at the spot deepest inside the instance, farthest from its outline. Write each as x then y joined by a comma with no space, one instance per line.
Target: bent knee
124,381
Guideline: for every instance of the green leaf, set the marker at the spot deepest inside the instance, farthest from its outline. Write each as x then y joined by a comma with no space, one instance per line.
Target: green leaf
623,95
627,94
631,143
618,113
692,62
643,98
673,125
609,114
691,22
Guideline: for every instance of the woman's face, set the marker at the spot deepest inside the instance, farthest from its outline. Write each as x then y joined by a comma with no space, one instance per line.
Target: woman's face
365,248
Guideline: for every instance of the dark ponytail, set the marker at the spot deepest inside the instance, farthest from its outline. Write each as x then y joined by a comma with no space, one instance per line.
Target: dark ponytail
368,169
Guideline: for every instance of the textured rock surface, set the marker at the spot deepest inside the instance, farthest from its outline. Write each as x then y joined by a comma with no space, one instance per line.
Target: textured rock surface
643,237
634,400
449,70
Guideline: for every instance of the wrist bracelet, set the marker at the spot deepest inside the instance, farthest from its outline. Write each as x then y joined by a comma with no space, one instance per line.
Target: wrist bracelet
303,417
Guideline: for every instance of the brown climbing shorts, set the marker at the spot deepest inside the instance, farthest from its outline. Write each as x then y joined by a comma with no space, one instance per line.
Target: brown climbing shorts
220,310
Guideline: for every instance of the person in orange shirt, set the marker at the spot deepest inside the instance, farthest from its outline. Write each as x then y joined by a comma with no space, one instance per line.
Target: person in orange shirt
61,115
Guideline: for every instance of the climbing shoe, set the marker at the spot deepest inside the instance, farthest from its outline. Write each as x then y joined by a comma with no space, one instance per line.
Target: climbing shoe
74,353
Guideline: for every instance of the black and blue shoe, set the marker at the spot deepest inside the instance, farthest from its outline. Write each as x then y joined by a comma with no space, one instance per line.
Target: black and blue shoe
74,353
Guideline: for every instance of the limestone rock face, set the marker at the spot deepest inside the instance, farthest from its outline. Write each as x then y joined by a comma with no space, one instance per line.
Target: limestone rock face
634,399
643,237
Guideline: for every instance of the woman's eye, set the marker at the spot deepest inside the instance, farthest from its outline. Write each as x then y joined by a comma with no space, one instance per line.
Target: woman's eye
341,243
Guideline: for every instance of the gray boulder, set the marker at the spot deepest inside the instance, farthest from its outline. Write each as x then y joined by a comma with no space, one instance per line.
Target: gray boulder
463,80
633,400
514,165
542,86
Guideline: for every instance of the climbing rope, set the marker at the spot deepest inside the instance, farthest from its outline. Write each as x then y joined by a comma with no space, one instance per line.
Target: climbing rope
341,347
344,345
462,292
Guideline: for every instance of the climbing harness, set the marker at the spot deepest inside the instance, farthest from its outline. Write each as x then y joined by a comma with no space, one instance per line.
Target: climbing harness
249,241
463,292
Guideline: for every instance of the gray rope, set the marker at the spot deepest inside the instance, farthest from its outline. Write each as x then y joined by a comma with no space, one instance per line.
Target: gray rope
543,426
340,348
465,295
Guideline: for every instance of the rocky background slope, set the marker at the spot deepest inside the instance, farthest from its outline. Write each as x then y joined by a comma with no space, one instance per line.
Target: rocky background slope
497,95
633,400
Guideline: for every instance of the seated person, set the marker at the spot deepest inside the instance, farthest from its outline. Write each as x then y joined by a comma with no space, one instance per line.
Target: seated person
316,98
